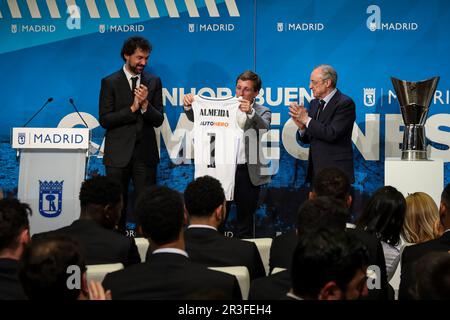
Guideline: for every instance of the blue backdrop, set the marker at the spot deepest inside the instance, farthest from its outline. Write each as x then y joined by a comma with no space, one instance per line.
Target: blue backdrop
51,50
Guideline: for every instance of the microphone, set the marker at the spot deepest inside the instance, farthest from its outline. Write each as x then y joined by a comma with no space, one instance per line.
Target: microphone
73,104
34,115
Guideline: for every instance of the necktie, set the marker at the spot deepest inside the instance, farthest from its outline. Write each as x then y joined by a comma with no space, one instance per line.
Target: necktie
319,110
133,83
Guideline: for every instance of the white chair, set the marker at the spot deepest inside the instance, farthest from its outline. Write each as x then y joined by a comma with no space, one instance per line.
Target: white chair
97,272
263,245
142,245
242,276
277,269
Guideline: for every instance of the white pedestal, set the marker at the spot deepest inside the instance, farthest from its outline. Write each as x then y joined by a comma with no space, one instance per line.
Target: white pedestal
414,176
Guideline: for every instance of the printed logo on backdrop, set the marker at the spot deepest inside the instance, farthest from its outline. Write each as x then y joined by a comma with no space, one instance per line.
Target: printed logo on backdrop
152,9
211,27
300,26
369,97
74,19
374,22
50,198
102,28
21,138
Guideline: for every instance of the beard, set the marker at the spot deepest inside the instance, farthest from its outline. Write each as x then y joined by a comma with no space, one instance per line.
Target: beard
137,69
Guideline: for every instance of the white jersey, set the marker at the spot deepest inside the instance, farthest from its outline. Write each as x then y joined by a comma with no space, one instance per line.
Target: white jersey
216,139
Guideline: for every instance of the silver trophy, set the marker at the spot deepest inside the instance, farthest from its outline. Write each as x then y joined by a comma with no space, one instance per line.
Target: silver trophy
414,99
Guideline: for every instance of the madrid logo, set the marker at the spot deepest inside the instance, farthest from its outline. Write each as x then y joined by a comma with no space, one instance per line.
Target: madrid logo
21,138
369,97
50,198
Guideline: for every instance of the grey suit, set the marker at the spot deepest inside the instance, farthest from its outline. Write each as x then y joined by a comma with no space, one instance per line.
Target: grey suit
251,175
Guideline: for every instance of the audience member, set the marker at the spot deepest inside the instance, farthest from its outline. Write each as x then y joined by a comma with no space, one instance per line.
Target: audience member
168,273
411,254
334,183
14,236
383,217
101,206
205,203
433,277
421,219
53,268
328,265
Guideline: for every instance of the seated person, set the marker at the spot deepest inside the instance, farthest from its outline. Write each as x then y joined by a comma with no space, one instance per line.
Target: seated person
101,205
205,203
14,236
168,273
53,268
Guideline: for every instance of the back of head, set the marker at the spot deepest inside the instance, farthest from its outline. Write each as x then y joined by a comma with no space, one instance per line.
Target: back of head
332,182
160,213
131,44
203,195
384,215
325,256
421,219
101,200
44,272
321,212
433,276
13,220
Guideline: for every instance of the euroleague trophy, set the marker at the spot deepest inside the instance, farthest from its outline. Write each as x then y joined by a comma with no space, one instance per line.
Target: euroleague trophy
414,99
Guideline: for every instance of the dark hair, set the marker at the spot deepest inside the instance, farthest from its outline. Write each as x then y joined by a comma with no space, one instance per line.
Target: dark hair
384,215
433,276
131,44
332,182
321,212
203,195
160,213
445,196
251,76
13,220
43,269
100,190
325,255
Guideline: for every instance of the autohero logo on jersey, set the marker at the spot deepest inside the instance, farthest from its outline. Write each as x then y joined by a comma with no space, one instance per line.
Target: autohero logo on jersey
374,22
300,26
210,112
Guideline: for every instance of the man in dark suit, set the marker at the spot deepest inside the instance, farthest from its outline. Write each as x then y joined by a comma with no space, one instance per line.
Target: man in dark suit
328,124
168,273
53,268
101,205
130,107
328,265
205,203
252,170
14,236
334,183
411,254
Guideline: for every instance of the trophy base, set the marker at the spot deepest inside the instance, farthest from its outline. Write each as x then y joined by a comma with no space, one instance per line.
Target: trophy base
414,155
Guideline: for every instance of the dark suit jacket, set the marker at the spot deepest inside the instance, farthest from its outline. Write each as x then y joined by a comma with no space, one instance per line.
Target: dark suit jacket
100,245
10,287
209,247
410,256
283,248
171,276
123,127
330,137
272,287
